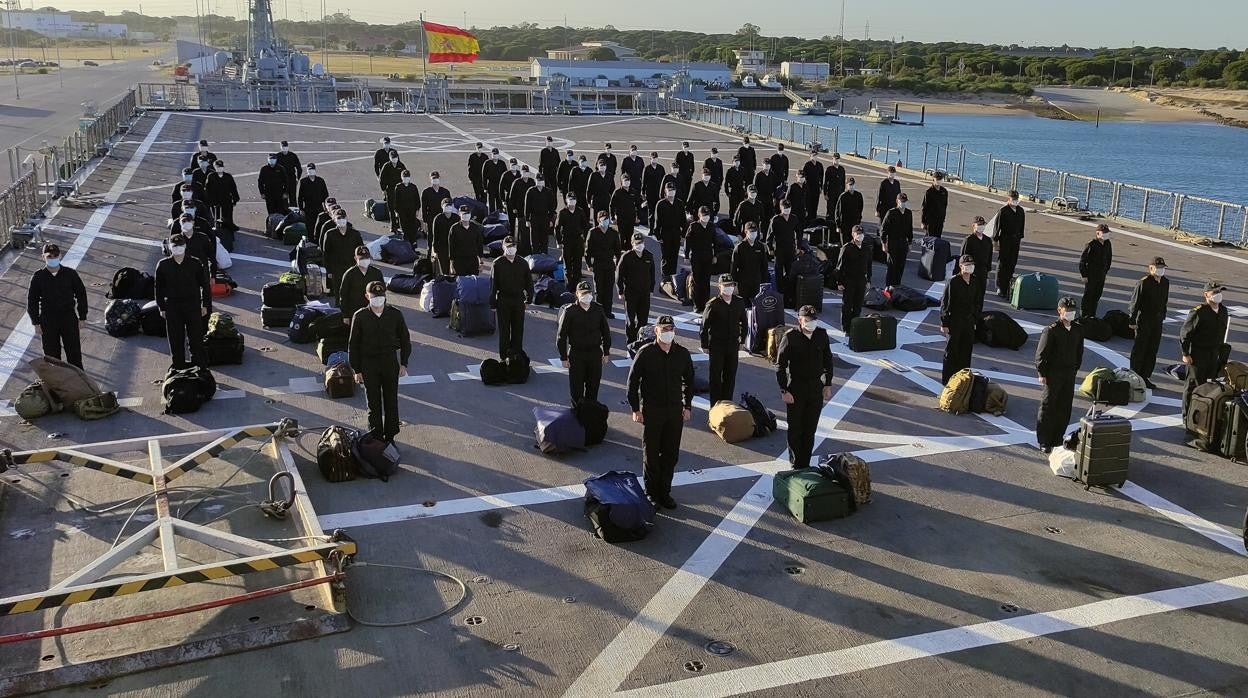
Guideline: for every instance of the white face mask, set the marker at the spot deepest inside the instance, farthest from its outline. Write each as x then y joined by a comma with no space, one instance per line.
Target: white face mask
685,148
639,248
604,223
1105,237
602,169
1216,299
968,268
220,169
509,252
363,263
836,161
377,302
285,149
203,164
902,205
859,237
190,210
178,250
850,188
571,203
187,227
1014,202
753,195
341,223
728,291
448,210
407,180
979,229
808,327
494,156
394,159
584,165
187,177
751,236
1064,316
632,153
1159,272
786,210
706,179
203,148
671,195
571,158
186,195
435,181
312,173
272,161
586,298
667,336
704,219
465,217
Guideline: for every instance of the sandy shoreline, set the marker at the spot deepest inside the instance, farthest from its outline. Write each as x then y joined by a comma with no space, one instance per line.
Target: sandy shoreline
1175,105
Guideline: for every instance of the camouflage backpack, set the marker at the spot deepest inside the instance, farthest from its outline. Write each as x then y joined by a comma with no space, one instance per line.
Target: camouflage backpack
36,401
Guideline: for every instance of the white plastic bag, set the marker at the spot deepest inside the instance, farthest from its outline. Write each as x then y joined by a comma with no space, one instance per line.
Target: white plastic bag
1062,462
223,257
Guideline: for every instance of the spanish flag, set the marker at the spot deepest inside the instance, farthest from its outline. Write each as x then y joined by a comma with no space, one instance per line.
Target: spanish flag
449,44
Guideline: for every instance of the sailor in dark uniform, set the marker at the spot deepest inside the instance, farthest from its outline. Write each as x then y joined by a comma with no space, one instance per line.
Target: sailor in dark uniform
1147,312
957,319
1058,357
1202,339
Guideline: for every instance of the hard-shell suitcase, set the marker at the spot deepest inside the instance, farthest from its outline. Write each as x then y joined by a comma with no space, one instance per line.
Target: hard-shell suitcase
810,291
873,333
276,317
1104,450
1036,291
810,496
1205,411
1234,432
934,260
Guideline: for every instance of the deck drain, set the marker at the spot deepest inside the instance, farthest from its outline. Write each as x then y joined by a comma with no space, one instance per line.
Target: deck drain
721,648
474,620
1052,529
65,474
510,647
266,349
1009,608
568,599
794,570
47,658
429,503
694,666
269,401
481,579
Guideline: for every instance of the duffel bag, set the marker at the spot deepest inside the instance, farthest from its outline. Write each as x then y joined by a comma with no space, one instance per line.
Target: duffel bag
186,390
150,321
339,381
997,329
956,396
1095,329
517,368
97,406
66,382
278,294
334,456
36,401
122,317
493,372
731,422
406,284
593,417
557,430
375,457
617,507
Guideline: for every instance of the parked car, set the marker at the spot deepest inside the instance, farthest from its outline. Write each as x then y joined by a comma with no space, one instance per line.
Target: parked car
93,64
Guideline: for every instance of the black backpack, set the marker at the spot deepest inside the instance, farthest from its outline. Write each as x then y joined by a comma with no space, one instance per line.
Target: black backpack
996,329
123,317
129,282
593,418
186,390
334,455
493,372
1096,329
150,321
1120,323
518,368
423,266
764,419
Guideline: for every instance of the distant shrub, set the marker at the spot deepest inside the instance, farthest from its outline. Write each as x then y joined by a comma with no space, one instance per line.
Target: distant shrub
1091,81
852,82
42,71
877,82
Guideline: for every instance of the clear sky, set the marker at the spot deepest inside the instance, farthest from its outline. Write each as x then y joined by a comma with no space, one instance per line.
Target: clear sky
1091,23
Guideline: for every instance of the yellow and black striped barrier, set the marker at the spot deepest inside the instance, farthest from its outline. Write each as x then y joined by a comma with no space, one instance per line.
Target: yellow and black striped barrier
55,598
72,457
212,450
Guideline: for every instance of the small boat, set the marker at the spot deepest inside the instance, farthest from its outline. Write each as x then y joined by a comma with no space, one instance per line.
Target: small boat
748,82
875,116
799,109
816,108
769,82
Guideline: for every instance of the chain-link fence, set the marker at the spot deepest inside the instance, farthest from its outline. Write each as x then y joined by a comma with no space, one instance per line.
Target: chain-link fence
43,174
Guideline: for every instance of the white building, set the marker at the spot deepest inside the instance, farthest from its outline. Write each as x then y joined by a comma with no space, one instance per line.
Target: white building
814,72
581,51
57,24
750,62
626,73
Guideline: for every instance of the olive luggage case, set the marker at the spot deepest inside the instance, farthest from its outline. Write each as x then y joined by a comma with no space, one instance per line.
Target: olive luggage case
1233,439
810,496
1104,450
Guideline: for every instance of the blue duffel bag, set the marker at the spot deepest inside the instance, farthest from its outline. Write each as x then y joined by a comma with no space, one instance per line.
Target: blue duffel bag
617,507
557,430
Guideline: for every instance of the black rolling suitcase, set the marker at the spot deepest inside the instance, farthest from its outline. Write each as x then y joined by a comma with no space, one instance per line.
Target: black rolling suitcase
810,291
1104,450
934,260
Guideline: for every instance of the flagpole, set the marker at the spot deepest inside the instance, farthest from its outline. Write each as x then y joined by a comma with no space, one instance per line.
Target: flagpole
424,64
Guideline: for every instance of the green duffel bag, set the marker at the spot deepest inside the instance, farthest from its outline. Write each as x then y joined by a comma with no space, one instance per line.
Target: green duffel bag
810,495
36,401
1094,377
97,406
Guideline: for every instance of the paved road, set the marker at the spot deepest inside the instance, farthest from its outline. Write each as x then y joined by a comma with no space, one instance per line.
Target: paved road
49,110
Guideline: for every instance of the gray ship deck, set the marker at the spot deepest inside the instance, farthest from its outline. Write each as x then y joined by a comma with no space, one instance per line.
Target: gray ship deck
974,570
